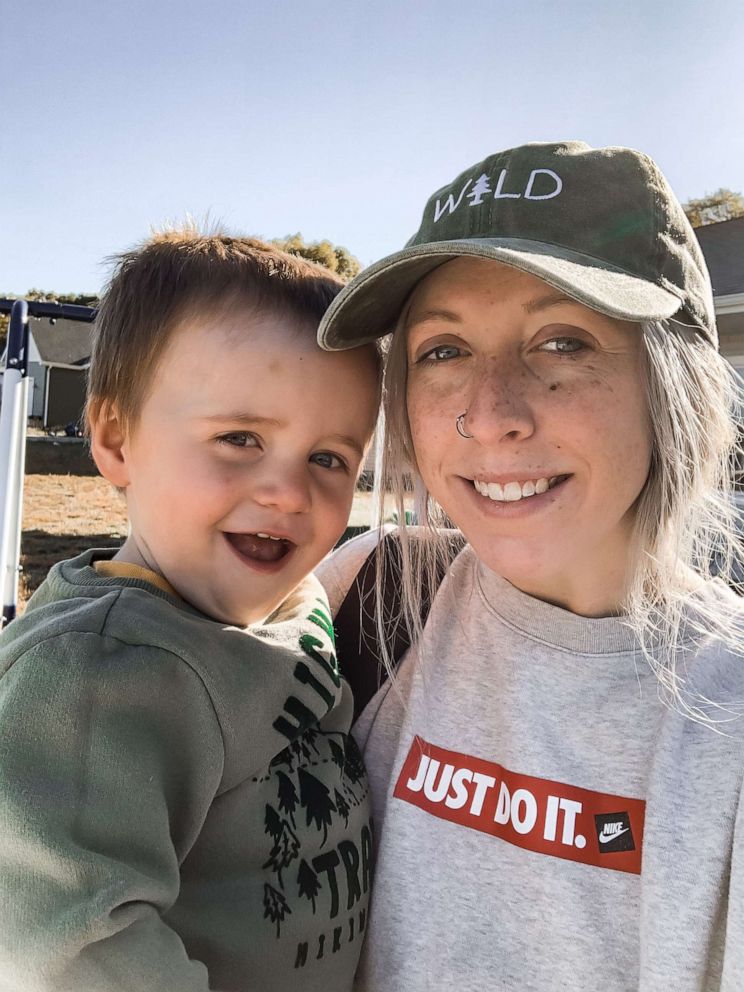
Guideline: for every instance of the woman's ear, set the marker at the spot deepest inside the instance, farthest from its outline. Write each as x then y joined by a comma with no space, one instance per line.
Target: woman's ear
108,446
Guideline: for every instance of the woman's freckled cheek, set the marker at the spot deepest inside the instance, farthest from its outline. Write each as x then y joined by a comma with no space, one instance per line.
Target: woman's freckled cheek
425,426
435,385
600,382
429,400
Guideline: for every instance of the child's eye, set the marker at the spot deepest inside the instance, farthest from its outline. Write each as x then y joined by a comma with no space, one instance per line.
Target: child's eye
563,345
326,459
238,439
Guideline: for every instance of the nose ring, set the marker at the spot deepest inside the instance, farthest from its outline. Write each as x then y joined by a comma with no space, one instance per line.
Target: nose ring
460,428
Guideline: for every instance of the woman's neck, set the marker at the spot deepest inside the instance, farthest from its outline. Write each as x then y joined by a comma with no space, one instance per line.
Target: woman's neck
594,589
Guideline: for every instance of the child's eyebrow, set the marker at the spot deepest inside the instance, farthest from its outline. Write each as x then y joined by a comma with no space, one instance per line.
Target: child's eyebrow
350,442
243,418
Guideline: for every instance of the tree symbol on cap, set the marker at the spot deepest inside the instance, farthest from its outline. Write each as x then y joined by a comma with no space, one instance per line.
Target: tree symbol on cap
482,186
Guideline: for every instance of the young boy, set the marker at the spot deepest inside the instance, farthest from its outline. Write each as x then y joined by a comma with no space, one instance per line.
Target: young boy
181,807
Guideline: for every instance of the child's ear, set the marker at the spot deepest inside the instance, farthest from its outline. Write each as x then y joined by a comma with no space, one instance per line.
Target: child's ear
107,445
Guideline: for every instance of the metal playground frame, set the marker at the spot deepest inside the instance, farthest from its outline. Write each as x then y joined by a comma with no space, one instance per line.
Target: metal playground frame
13,419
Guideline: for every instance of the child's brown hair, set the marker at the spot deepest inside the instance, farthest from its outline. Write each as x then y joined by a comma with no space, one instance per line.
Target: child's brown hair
168,278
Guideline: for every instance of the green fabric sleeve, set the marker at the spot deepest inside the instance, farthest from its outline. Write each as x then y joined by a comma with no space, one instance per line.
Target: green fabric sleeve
110,755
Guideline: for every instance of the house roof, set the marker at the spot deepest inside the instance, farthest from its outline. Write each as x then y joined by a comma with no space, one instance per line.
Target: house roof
723,247
60,341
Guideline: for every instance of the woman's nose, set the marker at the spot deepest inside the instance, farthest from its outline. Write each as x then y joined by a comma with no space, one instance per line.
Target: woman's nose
286,490
500,407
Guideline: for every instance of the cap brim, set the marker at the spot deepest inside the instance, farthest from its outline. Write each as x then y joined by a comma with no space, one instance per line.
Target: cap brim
368,307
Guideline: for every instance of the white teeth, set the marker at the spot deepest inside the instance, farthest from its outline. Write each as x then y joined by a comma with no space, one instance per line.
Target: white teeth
269,536
511,492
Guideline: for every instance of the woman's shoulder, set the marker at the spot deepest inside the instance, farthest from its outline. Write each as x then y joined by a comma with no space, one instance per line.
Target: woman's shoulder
712,643
715,592
715,605
339,569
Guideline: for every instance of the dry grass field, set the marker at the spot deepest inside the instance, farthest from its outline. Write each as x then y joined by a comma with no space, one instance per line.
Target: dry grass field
68,507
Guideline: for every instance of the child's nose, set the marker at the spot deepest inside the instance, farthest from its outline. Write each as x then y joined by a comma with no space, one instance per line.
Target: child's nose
287,491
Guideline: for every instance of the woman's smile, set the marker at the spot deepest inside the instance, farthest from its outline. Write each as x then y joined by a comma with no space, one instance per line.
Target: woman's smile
514,501
515,490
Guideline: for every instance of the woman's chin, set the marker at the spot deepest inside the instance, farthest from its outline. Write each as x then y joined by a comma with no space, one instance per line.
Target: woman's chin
522,563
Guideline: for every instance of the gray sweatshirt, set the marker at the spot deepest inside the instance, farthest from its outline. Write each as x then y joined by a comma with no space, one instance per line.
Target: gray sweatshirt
181,806
543,821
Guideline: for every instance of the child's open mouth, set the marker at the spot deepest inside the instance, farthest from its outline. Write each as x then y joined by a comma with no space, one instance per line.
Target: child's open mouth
260,547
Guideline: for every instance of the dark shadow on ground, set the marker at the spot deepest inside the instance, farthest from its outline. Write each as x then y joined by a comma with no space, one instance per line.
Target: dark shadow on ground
47,456
40,550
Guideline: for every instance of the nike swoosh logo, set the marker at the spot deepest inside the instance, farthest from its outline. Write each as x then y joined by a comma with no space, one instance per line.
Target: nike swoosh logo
605,839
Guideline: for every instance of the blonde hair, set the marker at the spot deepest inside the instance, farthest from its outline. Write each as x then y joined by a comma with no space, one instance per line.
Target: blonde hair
684,523
172,275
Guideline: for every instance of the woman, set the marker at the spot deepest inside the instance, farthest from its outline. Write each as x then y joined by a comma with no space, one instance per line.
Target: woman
557,764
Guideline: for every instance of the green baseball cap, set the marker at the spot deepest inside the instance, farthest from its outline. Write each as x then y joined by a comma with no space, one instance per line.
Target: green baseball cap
600,224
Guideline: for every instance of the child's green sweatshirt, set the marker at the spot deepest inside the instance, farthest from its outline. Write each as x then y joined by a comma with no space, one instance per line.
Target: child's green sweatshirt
181,805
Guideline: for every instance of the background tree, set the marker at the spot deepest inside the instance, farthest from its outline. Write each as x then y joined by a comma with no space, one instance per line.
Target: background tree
79,299
335,257
724,204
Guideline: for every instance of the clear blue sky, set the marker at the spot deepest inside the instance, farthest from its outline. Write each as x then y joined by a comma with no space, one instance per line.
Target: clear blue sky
334,119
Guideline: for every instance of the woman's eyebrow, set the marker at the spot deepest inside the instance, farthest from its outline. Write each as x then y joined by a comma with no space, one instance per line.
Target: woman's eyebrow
434,313
543,302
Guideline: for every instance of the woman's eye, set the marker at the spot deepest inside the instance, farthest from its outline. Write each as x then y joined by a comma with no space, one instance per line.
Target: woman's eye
238,439
442,353
326,459
563,345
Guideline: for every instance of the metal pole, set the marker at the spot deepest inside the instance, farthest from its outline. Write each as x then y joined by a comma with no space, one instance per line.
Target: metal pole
43,308
13,571
12,453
